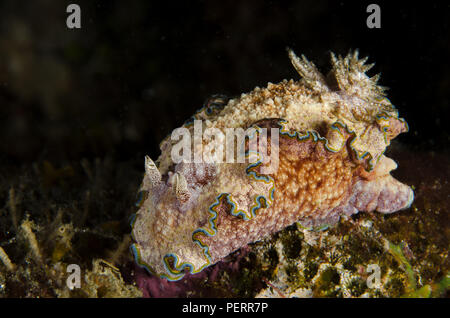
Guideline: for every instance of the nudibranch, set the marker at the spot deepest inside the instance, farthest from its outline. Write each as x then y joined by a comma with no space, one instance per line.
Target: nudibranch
333,131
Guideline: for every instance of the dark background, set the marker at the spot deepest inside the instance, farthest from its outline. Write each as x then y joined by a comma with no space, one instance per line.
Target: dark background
138,69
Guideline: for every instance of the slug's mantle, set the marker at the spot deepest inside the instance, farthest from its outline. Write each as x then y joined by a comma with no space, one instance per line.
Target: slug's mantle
333,131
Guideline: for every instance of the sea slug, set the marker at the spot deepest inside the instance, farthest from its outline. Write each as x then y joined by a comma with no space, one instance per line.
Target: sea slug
325,135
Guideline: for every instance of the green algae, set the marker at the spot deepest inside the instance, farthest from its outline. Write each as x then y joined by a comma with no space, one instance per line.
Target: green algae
442,286
424,292
310,270
327,282
396,251
347,249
